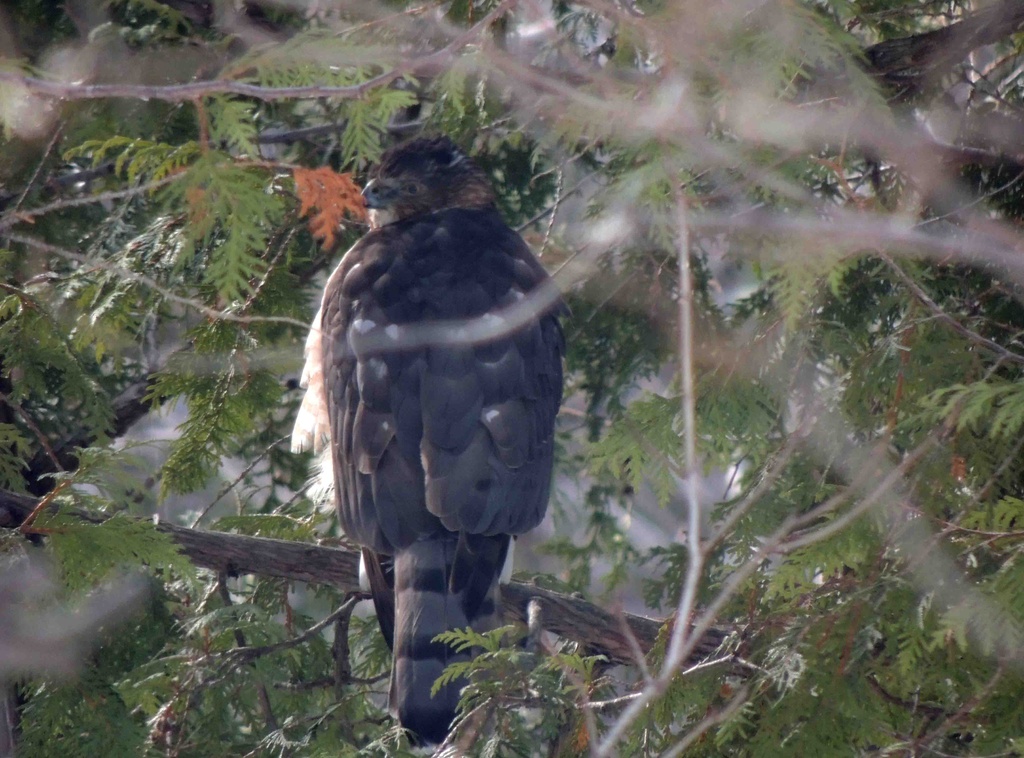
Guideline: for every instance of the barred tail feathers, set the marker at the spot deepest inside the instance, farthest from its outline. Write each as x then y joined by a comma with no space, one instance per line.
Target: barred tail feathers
441,583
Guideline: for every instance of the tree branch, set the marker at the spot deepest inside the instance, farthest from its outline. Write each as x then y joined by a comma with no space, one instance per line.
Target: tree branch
191,91
570,617
250,654
946,318
907,64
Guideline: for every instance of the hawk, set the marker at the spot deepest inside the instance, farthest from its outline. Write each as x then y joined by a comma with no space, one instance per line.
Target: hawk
434,375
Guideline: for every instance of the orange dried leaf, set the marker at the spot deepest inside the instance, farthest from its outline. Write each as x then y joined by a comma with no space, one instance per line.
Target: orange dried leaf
327,197
582,738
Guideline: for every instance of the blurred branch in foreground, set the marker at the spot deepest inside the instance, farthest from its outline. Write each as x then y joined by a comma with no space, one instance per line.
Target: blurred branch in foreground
39,636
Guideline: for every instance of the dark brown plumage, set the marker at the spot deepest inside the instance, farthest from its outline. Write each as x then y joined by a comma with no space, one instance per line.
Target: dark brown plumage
441,451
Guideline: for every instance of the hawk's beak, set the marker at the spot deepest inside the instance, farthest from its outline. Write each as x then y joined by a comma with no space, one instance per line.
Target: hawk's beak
373,197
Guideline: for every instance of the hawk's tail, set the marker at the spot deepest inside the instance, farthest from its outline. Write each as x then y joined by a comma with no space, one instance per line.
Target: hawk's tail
443,582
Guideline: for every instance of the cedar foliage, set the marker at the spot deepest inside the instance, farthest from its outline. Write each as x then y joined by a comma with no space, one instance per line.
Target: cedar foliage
849,185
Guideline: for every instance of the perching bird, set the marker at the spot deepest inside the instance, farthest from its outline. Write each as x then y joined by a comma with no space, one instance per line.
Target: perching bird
434,374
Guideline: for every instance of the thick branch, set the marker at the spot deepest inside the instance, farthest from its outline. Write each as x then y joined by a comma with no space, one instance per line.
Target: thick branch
570,617
909,63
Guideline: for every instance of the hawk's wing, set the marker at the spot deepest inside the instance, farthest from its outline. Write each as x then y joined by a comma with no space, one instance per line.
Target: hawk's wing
445,435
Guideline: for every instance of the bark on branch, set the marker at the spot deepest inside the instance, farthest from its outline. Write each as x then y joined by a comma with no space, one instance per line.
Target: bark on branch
909,64
567,616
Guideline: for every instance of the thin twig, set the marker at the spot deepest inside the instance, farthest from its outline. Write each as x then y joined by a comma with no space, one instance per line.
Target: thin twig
213,313
966,708
250,653
230,486
615,702
281,245
738,511
554,206
341,653
794,541
945,318
39,166
634,647
680,640
31,424
327,682
261,689
15,217
774,544
712,719
559,184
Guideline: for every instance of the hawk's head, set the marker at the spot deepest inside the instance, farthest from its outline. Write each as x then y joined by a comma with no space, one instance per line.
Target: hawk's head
423,176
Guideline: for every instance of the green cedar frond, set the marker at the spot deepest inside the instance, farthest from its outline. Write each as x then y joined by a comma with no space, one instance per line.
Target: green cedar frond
89,553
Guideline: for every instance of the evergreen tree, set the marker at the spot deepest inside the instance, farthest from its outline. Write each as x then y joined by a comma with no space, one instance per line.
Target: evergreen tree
789,233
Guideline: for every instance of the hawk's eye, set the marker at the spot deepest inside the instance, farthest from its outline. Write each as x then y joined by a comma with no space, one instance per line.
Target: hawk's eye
412,189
